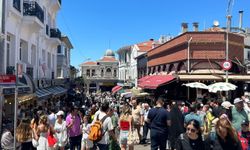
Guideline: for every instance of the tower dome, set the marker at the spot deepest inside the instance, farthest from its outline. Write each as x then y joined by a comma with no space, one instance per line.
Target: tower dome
109,53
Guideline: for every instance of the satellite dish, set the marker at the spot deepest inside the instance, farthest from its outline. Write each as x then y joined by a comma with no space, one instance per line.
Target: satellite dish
216,23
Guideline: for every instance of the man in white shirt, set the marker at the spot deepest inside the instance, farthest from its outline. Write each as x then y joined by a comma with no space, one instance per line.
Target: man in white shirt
107,127
145,124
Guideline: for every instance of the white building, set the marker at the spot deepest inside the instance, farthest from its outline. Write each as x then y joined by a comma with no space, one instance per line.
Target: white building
128,62
101,74
63,58
32,37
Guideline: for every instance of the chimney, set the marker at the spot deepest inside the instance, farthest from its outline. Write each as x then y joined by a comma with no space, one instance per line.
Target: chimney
184,27
241,19
195,26
229,20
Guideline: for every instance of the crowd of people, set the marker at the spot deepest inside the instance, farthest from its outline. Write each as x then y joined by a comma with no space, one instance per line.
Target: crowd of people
214,125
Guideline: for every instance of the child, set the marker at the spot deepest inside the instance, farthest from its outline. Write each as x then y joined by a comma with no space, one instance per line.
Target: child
244,135
86,143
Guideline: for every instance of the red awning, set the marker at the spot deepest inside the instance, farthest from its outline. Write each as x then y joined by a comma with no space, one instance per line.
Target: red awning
143,79
155,81
116,89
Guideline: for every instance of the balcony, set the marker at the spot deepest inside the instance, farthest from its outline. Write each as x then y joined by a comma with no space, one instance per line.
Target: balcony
31,8
10,70
55,33
17,5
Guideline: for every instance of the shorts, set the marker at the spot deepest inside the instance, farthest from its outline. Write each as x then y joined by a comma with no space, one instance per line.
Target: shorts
87,143
124,137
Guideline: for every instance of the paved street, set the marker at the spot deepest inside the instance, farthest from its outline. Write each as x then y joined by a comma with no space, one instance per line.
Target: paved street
142,147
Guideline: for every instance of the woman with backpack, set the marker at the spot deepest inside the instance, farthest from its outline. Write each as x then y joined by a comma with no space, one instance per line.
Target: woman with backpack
225,136
125,125
192,139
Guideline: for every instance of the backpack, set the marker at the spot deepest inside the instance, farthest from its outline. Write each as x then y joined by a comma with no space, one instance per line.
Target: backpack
96,131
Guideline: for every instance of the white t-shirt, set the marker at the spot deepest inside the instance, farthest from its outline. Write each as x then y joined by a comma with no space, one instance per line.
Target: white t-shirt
107,126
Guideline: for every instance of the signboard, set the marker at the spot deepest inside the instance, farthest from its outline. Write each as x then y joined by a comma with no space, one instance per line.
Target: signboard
21,90
226,65
7,79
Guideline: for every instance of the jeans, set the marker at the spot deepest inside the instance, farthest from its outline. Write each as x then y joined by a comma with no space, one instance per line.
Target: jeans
103,146
145,131
75,142
158,140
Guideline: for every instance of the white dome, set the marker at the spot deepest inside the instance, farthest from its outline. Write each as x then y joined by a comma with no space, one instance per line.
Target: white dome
109,52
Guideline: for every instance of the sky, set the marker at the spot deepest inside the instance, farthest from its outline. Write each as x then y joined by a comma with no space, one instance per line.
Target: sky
93,26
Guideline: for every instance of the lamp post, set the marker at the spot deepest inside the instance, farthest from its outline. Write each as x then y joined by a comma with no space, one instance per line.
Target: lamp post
227,43
188,61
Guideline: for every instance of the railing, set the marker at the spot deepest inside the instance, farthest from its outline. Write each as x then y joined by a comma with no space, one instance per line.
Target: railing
17,5
31,8
47,29
55,33
29,71
10,70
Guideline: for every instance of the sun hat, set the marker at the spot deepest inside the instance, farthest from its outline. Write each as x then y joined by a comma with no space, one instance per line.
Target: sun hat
226,105
60,113
237,100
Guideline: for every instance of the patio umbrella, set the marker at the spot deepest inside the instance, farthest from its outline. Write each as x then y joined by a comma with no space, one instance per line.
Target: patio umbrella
221,86
197,85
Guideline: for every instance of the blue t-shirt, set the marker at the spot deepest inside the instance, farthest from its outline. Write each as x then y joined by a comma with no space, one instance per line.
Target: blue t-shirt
158,118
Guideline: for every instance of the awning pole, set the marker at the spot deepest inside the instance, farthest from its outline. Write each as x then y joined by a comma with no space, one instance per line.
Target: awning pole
15,107
1,108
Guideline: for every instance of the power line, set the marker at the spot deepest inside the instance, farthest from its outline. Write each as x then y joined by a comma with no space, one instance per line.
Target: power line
71,35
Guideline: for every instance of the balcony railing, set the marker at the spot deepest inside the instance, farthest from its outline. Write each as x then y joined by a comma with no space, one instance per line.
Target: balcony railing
17,5
31,8
55,33
29,71
10,70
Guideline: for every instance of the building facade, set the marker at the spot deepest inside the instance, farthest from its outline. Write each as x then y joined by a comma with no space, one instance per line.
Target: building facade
31,38
63,58
101,75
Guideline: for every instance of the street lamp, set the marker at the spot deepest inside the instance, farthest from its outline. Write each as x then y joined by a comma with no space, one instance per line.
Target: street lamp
227,43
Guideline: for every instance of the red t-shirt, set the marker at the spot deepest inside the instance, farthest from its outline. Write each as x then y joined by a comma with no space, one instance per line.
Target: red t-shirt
124,125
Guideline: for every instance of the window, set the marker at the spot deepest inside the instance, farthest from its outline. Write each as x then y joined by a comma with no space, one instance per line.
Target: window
8,50
20,51
59,49
108,72
248,55
102,73
88,72
93,73
115,73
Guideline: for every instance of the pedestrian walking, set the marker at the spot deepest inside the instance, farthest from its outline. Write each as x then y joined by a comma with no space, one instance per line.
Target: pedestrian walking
225,136
60,130
73,123
159,120
192,139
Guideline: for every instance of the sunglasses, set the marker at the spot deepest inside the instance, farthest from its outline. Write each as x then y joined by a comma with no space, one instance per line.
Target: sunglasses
191,130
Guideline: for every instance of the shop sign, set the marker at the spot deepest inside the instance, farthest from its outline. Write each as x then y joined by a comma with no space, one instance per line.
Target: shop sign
21,90
7,79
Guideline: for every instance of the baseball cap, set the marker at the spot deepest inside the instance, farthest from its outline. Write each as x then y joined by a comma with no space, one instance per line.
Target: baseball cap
226,105
237,100
60,113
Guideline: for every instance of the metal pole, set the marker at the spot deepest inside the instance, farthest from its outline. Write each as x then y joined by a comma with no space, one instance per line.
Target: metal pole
15,106
1,108
227,43
188,63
